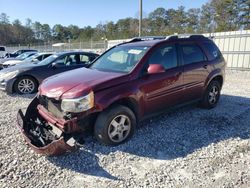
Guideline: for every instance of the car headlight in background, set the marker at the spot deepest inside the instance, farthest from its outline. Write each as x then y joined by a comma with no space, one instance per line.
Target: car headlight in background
8,75
79,104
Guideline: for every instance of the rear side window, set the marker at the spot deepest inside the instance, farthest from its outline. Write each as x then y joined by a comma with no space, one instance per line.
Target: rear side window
192,53
166,56
2,49
213,50
40,58
46,55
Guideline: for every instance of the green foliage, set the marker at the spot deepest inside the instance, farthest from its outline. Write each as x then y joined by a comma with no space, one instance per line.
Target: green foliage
215,15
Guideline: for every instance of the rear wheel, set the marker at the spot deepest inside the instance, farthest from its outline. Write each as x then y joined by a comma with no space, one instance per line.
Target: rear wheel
25,85
115,125
212,95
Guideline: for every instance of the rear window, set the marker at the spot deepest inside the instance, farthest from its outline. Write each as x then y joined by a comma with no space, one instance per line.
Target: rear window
192,53
213,50
2,49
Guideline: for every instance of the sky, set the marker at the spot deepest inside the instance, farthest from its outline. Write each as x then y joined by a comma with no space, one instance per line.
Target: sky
85,12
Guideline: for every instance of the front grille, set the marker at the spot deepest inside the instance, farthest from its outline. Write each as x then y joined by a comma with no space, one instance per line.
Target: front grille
52,105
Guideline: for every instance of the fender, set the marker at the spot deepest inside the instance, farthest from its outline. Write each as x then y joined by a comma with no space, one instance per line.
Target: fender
124,92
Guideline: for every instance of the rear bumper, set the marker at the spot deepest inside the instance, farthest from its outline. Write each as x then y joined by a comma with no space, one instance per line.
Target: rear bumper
27,124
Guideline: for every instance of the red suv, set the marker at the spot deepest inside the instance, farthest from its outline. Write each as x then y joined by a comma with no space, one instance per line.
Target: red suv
126,84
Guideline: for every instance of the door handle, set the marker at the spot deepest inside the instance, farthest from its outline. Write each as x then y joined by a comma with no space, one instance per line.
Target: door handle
205,66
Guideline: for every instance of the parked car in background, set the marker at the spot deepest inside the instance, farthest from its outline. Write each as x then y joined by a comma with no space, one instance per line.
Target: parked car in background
32,59
2,51
25,78
126,84
18,52
21,57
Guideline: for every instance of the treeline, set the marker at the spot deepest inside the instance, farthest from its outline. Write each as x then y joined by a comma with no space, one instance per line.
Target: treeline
214,16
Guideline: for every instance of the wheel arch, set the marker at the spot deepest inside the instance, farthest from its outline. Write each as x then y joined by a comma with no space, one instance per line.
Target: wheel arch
218,75
218,78
129,102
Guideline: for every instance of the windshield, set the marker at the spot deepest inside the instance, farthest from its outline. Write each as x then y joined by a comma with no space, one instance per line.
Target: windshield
120,59
24,55
48,60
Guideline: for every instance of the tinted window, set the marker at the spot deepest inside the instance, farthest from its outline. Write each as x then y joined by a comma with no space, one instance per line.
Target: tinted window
2,48
166,56
213,50
61,61
192,53
46,55
39,58
73,59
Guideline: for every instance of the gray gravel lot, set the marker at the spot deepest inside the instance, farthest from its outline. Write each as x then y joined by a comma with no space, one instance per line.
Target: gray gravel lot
190,147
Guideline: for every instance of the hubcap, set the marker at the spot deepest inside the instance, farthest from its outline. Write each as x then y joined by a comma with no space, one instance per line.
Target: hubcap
213,95
26,86
119,128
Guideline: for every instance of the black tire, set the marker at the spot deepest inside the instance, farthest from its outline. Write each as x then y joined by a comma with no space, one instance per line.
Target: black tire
210,98
104,127
32,82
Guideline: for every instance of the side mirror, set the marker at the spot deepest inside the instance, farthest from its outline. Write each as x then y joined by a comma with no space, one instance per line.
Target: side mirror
54,65
155,68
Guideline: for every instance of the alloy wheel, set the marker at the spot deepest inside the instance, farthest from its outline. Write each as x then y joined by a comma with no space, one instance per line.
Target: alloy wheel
213,95
119,128
26,86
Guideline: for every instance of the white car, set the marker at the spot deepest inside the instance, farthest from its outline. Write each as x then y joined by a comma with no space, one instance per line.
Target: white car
32,59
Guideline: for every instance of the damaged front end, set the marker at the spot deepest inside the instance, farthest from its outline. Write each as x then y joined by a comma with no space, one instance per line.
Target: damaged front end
42,135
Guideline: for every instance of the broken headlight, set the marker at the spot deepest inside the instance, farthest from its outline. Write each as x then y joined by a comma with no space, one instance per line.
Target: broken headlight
79,104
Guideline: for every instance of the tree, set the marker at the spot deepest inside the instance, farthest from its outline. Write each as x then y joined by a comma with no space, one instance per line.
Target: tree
226,14
4,19
157,21
244,13
28,23
193,20
45,32
37,28
207,23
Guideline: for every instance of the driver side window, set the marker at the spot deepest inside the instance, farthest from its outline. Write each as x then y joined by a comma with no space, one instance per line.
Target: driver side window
61,61
166,56
65,61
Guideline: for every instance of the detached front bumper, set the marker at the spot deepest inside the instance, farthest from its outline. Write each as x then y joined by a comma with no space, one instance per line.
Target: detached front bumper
39,134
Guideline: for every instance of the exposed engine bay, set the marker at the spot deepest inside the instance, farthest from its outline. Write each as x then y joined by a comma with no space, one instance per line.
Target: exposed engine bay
44,137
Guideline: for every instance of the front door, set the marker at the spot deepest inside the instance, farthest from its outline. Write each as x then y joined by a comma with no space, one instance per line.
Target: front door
162,90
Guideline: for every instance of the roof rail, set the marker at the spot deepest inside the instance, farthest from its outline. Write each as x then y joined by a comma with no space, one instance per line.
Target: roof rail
145,38
180,36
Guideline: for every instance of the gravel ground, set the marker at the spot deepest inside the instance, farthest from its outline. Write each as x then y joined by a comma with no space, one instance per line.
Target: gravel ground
190,147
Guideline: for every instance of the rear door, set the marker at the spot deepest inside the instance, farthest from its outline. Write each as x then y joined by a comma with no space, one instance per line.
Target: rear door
195,70
162,90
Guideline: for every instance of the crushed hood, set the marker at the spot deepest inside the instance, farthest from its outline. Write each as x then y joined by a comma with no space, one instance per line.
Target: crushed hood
78,82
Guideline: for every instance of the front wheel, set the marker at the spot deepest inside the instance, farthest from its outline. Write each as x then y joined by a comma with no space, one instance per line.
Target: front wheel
212,95
25,85
115,125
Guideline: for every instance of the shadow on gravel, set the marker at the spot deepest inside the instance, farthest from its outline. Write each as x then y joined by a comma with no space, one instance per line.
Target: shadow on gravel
82,162
169,136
